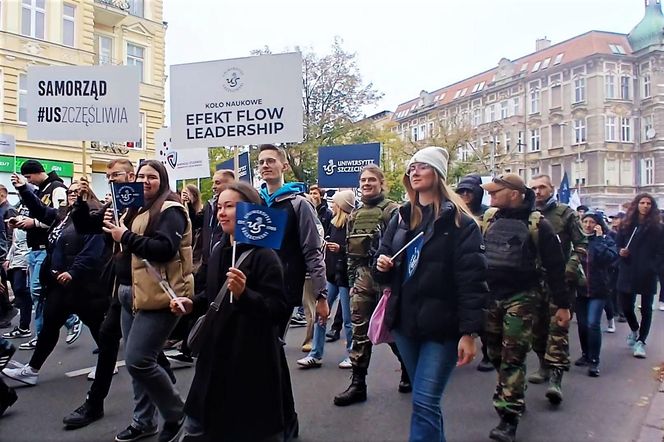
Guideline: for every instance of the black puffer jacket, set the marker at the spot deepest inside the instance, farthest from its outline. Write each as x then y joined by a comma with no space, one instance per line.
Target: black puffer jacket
445,296
336,265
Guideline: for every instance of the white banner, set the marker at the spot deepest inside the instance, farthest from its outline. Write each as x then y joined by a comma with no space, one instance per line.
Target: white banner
180,164
7,144
239,101
83,103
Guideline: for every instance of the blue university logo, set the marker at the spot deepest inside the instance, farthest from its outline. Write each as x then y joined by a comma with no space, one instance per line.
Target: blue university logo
172,159
126,195
256,225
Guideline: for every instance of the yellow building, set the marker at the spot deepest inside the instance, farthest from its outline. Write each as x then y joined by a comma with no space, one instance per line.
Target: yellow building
83,33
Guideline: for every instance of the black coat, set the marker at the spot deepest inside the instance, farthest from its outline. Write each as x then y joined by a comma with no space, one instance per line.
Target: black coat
597,264
336,264
637,273
445,297
236,391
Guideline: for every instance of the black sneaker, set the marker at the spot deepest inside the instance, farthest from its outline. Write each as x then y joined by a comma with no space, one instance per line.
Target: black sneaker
332,336
17,332
132,433
171,431
83,415
6,355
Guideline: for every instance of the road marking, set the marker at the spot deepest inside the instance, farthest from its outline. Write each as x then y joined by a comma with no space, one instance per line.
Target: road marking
82,371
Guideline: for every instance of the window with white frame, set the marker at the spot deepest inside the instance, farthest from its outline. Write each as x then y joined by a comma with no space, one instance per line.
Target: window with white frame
545,63
520,142
534,171
136,7
68,24
625,81
648,125
534,140
491,113
579,93
415,133
610,85
504,110
516,103
464,152
555,91
558,59
22,116
647,87
33,14
534,94
648,172
477,117
136,57
104,49
508,141
579,131
610,128
536,66
423,132
626,130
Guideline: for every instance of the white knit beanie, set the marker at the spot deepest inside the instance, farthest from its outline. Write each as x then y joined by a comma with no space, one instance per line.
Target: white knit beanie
436,157
345,200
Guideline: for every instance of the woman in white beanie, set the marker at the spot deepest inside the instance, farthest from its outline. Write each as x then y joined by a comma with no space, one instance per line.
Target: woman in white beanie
343,203
438,286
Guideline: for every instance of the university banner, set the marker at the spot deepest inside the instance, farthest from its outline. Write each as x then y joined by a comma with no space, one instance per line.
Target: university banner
259,225
83,103
340,166
238,101
181,164
244,171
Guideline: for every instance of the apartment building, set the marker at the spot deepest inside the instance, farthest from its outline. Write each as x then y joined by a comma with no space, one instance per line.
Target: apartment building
83,33
590,106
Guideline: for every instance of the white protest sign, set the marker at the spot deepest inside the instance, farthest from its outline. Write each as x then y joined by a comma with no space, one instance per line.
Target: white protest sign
180,164
239,101
84,103
7,144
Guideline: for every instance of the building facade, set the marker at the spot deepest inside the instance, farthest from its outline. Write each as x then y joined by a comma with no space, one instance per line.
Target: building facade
82,33
590,107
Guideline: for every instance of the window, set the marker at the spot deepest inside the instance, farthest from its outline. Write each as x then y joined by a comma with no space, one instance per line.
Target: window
516,101
536,66
22,95
624,87
415,134
477,117
105,50
579,89
579,131
423,131
68,24
33,13
504,112
520,143
138,144
478,87
491,113
558,59
610,85
556,135
534,140
136,7
524,67
647,127
508,142
534,171
617,49
556,91
136,57
610,128
534,88
2,96
648,175
545,63
463,92
645,81
457,94
626,130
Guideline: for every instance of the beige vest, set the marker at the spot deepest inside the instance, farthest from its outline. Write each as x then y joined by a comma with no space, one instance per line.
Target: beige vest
178,271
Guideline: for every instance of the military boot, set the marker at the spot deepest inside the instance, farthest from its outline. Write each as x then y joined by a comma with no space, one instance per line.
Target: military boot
555,391
506,429
541,375
356,392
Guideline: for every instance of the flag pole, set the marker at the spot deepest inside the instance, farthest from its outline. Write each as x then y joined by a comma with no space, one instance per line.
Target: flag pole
233,261
631,237
115,211
406,246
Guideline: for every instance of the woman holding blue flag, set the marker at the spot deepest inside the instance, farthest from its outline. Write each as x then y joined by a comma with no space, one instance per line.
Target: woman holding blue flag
438,286
159,232
236,393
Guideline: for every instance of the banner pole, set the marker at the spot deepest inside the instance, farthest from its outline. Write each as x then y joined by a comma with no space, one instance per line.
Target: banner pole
233,262
115,211
84,159
236,162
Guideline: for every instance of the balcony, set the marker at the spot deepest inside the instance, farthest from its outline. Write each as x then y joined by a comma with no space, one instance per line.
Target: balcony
110,12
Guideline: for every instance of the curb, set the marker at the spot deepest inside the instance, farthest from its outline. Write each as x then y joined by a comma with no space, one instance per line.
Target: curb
653,426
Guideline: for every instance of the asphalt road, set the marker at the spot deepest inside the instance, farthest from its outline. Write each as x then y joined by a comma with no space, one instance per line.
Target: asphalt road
610,408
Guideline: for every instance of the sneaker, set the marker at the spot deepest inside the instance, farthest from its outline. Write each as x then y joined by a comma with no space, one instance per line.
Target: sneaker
298,320
593,369
93,374
30,345
25,374
640,350
631,338
171,431
582,361
346,363
6,356
306,348
180,360
17,333
612,326
132,433
661,306
83,415
74,332
309,362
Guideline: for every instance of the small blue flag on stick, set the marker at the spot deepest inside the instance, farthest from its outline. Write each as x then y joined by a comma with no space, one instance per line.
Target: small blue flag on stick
563,192
259,225
127,195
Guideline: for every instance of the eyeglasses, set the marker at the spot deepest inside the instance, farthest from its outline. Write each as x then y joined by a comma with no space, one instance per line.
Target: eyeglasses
268,161
418,167
72,192
114,175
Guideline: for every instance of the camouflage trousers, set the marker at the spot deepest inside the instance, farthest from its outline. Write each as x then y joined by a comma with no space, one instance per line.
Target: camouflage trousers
508,332
364,297
550,341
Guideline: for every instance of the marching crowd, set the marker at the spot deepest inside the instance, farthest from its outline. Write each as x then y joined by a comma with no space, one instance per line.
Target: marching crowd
448,275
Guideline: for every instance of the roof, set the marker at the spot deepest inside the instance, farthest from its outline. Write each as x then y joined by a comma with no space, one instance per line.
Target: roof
574,49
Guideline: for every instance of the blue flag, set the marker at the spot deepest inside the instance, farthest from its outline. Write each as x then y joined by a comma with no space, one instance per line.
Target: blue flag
259,225
127,195
563,192
413,257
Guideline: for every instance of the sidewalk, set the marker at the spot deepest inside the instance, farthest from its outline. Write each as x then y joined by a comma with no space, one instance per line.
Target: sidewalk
653,425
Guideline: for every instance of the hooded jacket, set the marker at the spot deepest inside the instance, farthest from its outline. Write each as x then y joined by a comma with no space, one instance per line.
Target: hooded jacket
597,262
473,182
49,195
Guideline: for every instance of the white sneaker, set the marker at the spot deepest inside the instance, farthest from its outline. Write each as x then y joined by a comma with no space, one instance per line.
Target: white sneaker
30,345
640,350
25,374
75,332
309,362
346,363
93,373
661,306
612,326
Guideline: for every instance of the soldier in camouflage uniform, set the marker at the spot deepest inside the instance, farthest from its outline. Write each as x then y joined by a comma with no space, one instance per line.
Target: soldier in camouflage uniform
550,341
517,240
365,225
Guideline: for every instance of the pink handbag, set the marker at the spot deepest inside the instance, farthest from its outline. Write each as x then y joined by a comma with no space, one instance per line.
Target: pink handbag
378,332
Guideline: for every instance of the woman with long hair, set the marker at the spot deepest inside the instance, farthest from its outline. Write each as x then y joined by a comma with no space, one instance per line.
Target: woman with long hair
237,388
438,286
640,246
336,266
158,235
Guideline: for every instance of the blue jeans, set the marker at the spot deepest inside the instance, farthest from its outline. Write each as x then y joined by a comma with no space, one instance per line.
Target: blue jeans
318,345
144,334
589,317
429,365
35,261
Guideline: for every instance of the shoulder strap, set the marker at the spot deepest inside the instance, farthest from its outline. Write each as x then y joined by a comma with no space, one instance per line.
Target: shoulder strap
488,218
224,288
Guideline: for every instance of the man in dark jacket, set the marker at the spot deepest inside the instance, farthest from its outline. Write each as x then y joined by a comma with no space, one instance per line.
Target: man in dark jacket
320,203
516,239
211,233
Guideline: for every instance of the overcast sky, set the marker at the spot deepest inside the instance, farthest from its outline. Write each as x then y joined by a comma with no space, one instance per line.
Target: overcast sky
402,46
